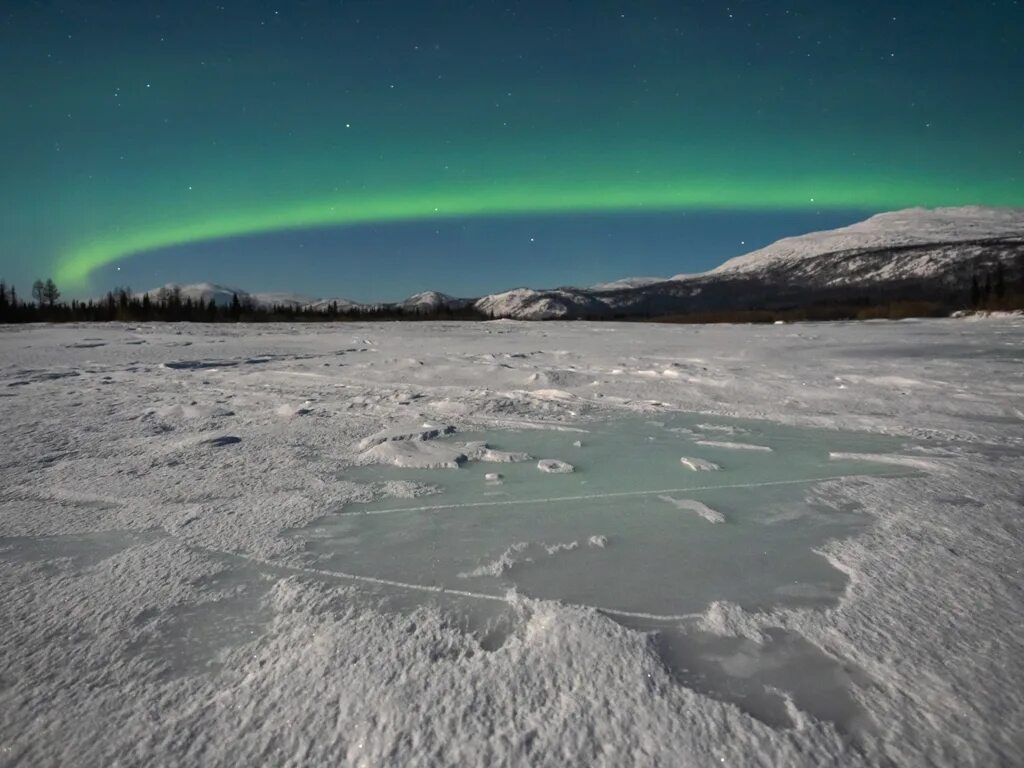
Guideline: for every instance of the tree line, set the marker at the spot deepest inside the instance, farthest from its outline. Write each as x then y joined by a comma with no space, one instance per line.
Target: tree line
991,292
169,305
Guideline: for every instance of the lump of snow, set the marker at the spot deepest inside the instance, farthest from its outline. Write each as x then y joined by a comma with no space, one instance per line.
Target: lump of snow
398,434
698,465
554,466
417,454
709,514
554,549
505,560
733,446
480,451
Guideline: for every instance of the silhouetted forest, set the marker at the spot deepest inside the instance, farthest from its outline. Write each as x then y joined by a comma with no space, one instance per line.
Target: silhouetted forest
988,292
168,305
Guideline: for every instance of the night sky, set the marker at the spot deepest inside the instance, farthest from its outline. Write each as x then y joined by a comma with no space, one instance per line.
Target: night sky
373,149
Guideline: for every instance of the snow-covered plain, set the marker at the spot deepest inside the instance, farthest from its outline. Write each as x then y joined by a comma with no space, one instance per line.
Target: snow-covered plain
171,580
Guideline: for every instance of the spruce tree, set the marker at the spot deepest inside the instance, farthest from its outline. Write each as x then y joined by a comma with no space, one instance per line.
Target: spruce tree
50,292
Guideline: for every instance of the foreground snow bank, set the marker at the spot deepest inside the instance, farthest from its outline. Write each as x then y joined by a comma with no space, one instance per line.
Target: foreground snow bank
144,572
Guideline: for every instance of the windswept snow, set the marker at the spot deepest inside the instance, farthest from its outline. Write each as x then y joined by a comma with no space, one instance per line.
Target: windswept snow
692,505
168,600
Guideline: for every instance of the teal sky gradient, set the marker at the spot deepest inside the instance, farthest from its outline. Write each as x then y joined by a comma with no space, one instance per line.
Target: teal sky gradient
140,128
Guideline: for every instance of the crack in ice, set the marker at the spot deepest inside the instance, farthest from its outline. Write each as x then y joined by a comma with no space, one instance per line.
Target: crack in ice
613,494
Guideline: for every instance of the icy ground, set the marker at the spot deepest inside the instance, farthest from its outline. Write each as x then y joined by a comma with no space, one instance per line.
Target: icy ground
179,504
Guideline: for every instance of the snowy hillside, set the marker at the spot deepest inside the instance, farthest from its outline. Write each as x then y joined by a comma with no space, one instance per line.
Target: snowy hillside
430,301
915,253
200,292
626,282
343,304
528,304
222,295
913,226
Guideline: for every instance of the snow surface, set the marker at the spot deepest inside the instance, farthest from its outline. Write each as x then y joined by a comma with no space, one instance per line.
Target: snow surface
155,612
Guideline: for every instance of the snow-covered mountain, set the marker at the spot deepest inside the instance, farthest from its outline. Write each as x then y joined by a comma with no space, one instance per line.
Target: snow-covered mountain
343,304
626,282
431,301
884,231
222,295
915,253
528,304
204,292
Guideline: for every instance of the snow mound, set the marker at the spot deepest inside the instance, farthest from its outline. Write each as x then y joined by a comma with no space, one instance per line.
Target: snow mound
698,465
554,466
402,434
415,454
480,451
733,446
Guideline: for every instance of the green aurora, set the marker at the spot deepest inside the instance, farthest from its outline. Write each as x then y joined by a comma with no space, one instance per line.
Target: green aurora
136,129
77,263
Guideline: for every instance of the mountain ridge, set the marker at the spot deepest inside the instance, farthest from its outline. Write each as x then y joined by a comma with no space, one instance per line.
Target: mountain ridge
920,253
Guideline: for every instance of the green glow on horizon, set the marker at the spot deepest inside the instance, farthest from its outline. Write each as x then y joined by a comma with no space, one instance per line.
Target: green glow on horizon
77,263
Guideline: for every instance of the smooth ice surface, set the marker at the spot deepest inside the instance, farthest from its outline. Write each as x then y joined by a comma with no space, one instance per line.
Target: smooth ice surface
674,540
637,534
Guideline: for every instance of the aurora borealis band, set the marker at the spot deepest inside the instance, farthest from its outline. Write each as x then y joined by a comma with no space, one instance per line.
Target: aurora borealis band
138,130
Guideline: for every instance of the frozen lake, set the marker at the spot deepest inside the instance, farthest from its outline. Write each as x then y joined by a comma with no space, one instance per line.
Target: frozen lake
363,544
632,530
658,519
